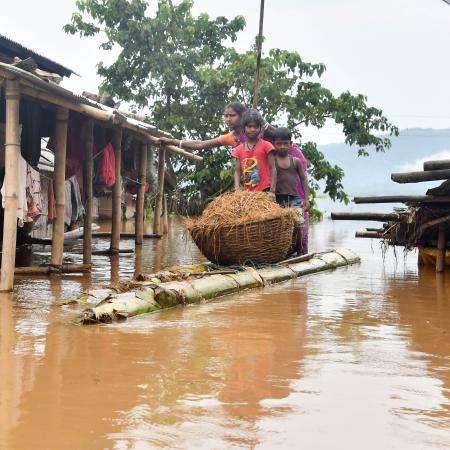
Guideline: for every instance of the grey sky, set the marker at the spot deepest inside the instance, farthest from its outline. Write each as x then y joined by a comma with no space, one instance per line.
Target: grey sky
397,52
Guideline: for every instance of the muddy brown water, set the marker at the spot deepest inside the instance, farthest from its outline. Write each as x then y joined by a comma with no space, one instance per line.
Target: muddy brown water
356,358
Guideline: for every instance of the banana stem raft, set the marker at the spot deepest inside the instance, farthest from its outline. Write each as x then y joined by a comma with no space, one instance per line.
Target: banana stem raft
154,294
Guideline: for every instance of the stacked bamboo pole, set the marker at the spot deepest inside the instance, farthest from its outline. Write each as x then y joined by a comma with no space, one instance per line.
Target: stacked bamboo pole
408,199
12,152
439,203
154,295
62,116
393,217
437,165
88,190
117,194
417,177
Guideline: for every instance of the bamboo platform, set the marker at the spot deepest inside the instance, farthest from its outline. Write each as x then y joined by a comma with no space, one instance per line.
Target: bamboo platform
424,223
192,284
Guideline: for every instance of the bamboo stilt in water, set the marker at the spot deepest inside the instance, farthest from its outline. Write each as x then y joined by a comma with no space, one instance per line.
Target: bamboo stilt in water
165,217
117,194
12,152
139,220
146,299
88,191
160,191
62,117
440,259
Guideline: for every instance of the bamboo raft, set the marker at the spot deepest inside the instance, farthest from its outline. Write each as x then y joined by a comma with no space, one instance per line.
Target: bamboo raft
193,284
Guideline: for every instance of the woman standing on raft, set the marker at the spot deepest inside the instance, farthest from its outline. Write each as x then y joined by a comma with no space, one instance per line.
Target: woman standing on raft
232,116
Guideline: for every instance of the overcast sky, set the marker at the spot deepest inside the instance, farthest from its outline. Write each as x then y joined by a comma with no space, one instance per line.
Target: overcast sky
397,52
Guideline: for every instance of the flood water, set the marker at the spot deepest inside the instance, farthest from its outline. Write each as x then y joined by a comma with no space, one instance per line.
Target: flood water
356,358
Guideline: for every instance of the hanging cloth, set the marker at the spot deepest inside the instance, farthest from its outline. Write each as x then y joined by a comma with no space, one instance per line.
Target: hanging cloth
77,204
108,166
67,203
22,207
33,193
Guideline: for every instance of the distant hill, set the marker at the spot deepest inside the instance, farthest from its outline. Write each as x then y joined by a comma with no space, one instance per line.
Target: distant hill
371,175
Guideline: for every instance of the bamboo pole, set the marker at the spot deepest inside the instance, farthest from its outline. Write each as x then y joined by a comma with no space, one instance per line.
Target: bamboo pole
12,152
380,217
46,270
402,199
437,165
62,117
160,191
258,56
117,194
165,217
125,235
88,190
417,177
139,220
440,259
370,235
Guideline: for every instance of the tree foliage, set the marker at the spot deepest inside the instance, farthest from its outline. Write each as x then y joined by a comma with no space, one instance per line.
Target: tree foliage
184,70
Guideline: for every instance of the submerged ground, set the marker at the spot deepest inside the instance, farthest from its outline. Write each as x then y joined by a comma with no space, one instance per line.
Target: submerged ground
354,358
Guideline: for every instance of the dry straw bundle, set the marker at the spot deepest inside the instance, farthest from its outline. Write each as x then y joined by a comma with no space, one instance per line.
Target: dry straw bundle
242,227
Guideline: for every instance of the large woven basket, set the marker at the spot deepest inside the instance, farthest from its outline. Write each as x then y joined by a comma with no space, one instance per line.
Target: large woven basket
261,242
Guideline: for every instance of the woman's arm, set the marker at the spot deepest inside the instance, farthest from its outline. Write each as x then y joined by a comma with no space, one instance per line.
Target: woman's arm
194,145
304,182
237,175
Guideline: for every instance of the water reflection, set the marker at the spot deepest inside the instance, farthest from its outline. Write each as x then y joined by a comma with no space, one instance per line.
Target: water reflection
358,356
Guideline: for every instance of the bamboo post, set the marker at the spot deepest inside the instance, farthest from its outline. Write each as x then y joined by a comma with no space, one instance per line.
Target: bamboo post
437,165
139,221
165,217
417,177
117,194
160,191
429,199
440,259
12,151
88,190
138,266
380,217
62,117
258,56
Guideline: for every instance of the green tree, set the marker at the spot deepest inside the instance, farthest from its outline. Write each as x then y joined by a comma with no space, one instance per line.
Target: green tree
182,69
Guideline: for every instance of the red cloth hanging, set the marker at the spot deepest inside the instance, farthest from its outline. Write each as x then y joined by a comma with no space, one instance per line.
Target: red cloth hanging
108,166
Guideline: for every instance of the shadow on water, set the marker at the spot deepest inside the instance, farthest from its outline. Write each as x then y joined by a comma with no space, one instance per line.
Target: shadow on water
358,356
